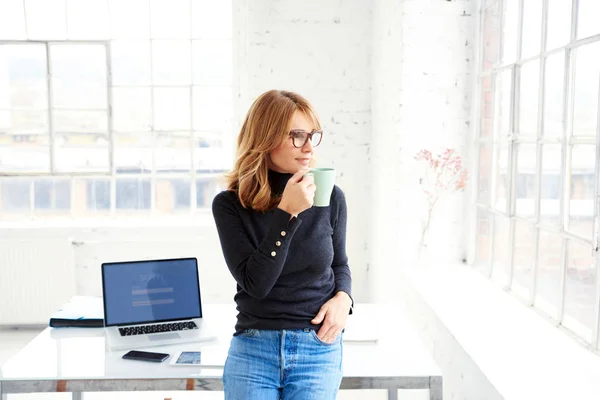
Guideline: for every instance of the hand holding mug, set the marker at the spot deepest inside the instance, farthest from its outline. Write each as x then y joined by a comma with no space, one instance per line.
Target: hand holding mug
298,194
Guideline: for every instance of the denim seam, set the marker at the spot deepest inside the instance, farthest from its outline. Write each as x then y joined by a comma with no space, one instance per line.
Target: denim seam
281,357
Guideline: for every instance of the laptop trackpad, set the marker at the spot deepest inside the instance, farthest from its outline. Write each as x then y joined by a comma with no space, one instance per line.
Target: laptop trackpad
166,336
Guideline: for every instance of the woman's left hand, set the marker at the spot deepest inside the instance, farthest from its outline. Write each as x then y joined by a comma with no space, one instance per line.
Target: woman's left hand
333,315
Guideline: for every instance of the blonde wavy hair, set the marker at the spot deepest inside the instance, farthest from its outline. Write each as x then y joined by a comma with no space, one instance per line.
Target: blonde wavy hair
266,127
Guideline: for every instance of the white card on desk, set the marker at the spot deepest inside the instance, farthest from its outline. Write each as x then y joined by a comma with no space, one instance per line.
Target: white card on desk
363,329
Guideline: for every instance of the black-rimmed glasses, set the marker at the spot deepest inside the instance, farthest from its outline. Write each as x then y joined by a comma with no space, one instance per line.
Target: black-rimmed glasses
299,137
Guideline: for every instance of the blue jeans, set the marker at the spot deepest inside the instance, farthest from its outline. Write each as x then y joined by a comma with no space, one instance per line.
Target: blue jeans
287,365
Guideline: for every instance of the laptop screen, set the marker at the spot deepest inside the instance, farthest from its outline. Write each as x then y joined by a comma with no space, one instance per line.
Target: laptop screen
150,291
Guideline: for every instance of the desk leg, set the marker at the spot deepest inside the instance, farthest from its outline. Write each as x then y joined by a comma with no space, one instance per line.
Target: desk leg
436,391
77,396
393,394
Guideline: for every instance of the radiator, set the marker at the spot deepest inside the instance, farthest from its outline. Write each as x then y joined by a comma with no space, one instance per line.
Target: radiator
36,277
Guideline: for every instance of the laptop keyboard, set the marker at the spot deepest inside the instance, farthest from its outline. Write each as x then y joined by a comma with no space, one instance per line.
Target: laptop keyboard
146,329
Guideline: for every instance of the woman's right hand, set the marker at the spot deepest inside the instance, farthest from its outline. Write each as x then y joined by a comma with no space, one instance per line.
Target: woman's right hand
298,194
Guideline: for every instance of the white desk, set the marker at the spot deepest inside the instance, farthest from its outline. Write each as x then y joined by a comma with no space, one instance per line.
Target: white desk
76,360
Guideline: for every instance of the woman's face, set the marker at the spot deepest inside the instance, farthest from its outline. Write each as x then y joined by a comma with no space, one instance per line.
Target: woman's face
290,159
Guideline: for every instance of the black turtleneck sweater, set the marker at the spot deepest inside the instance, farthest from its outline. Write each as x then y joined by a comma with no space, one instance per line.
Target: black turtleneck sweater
285,269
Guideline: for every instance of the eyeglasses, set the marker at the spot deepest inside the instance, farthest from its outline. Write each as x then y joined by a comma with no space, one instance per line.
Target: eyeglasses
299,137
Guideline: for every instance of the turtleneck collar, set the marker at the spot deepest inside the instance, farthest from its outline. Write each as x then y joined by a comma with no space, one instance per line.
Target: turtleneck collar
278,180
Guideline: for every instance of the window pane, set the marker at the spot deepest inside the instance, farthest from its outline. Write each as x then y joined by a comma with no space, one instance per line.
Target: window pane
532,28
510,31
171,109
212,19
523,259
81,153
87,19
528,100
211,152
547,286
133,193
52,194
500,264
170,19
484,236
172,194
487,107
132,109
97,195
130,60
587,24
559,23
79,76
23,98
587,75
24,153
554,89
580,289
581,213
550,188
23,123
129,18
15,195
503,97
133,152
526,180
171,62
491,36
46,19
213,108
173,152
500,178
206,189
91,122
213,63
23,73
485,173
12,20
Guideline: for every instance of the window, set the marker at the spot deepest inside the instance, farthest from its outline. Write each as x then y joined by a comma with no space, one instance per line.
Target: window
113,106
536,140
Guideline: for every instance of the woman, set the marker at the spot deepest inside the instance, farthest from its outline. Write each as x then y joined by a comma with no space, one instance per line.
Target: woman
288,259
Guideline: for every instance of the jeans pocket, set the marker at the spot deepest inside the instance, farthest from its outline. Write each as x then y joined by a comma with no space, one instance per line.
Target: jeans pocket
314,335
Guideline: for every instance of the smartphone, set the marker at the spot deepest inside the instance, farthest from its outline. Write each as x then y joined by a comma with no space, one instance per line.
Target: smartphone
146,356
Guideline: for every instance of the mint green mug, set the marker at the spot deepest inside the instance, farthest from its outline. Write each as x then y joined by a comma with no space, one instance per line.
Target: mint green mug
324,180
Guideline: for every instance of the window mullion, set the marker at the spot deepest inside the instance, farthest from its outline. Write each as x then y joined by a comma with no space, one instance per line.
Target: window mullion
539,151
595,243
50,108
193,190
109,100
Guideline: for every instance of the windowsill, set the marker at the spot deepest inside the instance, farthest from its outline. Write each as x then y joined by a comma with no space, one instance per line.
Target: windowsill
199,219
523,355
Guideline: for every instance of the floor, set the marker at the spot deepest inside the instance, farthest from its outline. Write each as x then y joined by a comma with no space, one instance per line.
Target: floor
12,340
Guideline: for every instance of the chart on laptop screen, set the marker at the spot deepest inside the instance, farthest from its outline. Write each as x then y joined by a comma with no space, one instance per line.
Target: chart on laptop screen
150,291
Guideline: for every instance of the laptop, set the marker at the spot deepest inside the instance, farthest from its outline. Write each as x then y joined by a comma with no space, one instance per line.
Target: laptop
152,303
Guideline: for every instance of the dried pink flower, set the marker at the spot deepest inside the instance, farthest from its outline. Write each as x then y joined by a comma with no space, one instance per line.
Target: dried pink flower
445,174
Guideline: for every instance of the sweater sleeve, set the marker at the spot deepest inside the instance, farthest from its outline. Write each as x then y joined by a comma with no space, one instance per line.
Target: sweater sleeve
255,269
341,270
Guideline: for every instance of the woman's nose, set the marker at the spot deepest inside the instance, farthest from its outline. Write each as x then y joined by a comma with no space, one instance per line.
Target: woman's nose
308,147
